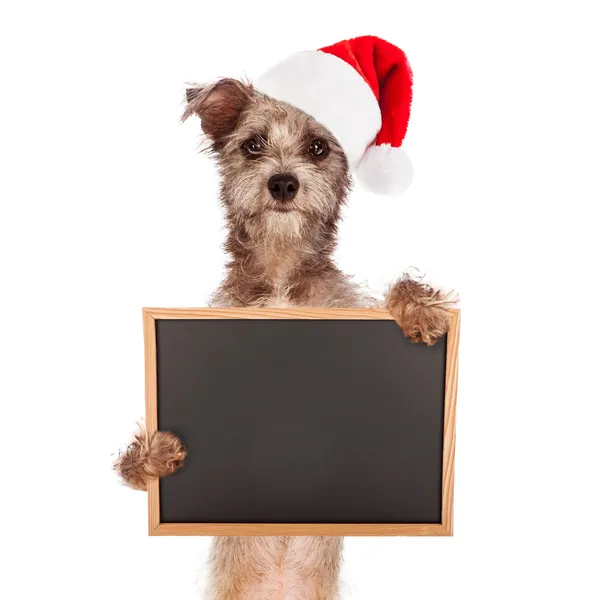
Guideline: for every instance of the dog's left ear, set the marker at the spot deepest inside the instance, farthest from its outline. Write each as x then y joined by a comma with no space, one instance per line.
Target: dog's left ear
218,105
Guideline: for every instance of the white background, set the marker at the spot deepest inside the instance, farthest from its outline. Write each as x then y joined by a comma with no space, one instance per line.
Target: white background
107,207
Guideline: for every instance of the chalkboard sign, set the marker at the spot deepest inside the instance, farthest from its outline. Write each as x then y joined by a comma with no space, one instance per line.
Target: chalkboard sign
301,422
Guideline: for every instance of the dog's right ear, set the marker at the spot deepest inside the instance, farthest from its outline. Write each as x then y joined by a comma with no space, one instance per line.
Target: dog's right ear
218,105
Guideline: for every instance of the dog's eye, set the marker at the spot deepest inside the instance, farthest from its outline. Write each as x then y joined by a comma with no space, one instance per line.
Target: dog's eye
318,148
252,146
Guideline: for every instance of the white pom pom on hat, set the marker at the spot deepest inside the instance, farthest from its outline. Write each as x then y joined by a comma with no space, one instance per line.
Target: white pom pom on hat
361,90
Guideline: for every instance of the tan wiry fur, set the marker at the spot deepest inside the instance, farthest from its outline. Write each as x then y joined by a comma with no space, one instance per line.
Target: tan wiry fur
280,255
149,456
263,568
419,309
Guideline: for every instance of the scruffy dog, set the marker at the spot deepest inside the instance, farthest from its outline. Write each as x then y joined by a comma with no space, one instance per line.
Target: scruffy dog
284,179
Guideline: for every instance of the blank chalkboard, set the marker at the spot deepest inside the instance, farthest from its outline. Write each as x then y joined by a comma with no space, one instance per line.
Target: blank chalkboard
326,424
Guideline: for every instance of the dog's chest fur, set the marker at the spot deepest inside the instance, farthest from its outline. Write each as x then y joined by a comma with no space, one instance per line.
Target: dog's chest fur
286,277
278,269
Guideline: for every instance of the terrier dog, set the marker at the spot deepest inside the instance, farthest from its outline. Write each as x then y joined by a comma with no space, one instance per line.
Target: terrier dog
284,179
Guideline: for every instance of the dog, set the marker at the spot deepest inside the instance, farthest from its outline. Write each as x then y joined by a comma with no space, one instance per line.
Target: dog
284,180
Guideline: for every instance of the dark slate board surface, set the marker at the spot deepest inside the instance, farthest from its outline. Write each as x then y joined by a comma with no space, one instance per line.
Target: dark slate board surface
299,421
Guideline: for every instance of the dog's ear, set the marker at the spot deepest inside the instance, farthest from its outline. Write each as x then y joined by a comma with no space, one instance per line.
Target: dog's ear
218,105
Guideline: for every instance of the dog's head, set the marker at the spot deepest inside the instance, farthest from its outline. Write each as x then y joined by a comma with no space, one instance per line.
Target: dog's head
283,173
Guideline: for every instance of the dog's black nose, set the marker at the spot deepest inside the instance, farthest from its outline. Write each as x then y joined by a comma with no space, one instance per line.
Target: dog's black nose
283,186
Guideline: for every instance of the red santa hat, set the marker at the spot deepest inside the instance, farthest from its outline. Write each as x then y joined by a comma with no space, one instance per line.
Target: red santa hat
361,90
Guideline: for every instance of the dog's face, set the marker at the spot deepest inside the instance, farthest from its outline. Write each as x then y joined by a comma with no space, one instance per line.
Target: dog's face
282,172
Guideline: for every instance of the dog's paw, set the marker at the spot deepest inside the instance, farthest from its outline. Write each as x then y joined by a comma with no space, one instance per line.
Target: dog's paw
148,457
422,311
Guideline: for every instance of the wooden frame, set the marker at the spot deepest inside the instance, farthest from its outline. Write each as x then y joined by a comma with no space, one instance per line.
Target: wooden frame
445,528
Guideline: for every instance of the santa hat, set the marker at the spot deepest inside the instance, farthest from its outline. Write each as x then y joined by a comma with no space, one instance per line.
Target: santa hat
361,90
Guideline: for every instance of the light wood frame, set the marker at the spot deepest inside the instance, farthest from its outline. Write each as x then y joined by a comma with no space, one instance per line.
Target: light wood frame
445,528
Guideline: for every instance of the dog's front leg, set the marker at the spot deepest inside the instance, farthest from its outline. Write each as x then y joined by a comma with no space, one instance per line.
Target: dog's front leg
149,456
312,567
422,311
